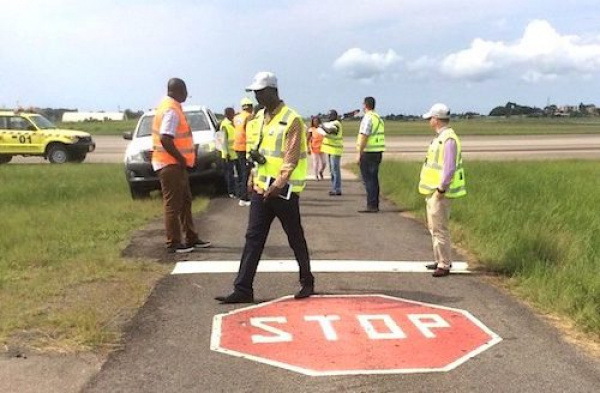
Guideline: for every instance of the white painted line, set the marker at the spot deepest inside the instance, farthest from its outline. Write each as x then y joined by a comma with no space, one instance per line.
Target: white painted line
317,266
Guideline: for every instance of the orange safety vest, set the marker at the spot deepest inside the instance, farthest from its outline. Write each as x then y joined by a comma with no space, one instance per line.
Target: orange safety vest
239,122
184,141
316,140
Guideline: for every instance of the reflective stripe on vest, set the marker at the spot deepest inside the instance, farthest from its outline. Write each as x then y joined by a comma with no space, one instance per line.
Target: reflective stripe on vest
239,122
431,172
376,139
273,147
183,140
333,144
229,132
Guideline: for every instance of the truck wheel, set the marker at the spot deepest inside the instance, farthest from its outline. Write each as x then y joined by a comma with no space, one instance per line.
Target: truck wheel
57,154
5,158
79,157
138,193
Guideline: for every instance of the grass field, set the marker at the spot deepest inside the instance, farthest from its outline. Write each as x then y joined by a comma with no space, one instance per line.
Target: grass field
536,223
481,126
491,126
101,128
63,284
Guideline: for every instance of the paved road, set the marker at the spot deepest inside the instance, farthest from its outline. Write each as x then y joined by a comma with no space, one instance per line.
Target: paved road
167,347
520,147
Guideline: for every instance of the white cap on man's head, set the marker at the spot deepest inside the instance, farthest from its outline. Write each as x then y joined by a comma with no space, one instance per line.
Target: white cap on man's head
441,111
261,80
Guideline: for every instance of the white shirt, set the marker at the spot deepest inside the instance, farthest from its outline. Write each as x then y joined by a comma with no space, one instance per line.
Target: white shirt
168,126
366,126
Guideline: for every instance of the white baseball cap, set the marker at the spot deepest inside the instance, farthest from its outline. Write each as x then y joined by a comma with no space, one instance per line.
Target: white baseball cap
261,80
441,111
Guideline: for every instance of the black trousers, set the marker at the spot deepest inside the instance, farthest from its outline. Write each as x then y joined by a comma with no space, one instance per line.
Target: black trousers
262,213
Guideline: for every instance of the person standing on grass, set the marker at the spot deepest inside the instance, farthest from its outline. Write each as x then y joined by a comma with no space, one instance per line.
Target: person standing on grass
173,153
370,146
228,154
333,146
241,166
280,178
315,141
442,179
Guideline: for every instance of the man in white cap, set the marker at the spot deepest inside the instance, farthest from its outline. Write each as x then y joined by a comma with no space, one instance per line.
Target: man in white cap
442,179
281,158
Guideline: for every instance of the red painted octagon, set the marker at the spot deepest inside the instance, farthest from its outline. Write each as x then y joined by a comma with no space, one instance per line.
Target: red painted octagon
356,334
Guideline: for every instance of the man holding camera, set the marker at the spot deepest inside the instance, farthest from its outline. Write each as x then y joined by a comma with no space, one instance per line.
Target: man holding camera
280,155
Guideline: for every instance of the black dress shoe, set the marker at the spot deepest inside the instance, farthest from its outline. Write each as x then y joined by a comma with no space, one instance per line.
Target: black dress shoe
433,266
305,292
369,210
235,297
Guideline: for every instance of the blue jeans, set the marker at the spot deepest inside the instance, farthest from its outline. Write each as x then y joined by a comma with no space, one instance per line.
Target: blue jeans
229,177
369,170
336,175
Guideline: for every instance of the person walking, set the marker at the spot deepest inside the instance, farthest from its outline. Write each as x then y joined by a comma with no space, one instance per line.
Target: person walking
370,145
333,146
442,179
280,178
315,141
228,154
173,153
240,121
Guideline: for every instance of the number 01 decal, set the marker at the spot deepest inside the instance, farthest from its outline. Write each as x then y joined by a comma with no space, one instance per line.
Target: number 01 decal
24,139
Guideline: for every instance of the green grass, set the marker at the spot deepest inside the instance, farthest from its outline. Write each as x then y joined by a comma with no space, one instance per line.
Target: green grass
491,126
480,126
101,127
63,284
535,222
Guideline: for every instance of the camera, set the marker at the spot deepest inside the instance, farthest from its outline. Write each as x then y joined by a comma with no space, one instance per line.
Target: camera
257,157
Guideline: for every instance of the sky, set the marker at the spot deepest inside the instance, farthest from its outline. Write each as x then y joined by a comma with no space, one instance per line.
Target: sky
327,54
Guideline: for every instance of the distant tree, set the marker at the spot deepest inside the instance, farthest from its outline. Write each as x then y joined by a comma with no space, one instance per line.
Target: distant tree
498,111
130,114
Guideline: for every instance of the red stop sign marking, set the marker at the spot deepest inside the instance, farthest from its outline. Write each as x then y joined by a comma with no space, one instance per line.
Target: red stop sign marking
357,334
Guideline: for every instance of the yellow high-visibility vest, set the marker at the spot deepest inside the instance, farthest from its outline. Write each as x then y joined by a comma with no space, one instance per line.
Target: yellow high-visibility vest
272,146
376,139
253,130
228,132
333,144
431,172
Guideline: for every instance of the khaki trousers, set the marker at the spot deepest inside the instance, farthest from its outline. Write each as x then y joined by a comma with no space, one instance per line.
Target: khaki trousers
438,217
177,201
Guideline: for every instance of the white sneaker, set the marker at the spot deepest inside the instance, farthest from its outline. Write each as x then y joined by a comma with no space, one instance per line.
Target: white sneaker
243,203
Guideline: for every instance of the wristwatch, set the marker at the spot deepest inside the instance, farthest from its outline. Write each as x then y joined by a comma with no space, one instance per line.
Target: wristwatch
440,190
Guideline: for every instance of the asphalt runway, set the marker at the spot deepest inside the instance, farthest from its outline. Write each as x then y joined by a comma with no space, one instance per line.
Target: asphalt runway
111,149
168,345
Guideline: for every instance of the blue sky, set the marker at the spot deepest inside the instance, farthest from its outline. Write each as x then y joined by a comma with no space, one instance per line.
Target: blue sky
408,54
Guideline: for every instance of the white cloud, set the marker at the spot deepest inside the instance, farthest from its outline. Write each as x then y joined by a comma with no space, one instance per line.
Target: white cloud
358,64
541,54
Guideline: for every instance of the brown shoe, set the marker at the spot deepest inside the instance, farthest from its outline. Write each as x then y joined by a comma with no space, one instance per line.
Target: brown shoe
439,272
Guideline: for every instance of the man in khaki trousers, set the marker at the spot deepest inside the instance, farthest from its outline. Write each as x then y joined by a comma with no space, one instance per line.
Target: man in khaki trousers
442,179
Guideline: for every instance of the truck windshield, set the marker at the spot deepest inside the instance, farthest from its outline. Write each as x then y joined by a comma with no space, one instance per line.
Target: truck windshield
197,121
41,122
